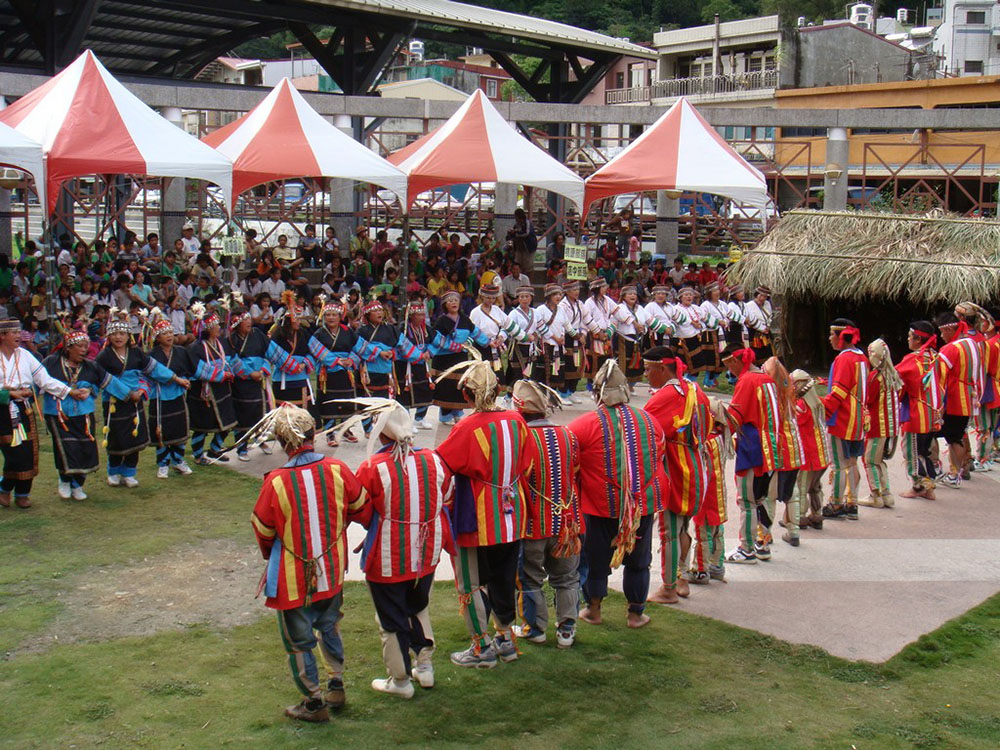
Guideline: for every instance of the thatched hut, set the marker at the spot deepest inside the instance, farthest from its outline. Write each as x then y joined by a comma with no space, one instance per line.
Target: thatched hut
883,270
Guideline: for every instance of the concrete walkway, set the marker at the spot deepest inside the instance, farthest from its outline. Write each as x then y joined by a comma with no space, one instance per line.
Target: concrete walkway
858,589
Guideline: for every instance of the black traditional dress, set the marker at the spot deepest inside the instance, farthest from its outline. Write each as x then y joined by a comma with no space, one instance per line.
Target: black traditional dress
71,421
337,364
414,382
446,350
128,430
293,366
250,396
168,410
210,398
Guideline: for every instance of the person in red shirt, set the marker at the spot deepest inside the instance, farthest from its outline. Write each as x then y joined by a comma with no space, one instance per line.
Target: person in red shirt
709,523
989,414
920,407
960,363
847,417
551,545
622,484
692,278
406,491
682,410
753,413
810,415
488,453
790,460
884,385
300,520
706,275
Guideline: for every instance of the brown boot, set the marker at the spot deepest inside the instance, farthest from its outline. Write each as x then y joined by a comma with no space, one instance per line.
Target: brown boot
4,499
334,697
683,590
592,612
311,709
636,620
22,502
664,595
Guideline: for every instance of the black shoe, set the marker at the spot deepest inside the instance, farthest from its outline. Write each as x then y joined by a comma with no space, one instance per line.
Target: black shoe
222,458
851,512
833,511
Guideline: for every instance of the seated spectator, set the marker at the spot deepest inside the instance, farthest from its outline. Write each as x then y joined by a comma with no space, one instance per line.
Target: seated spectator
706,275
267,262
185,289
348,286
361,270
331,245
309,248
361,242
250,286
170,267
261,312
141,291
273,284
180,320
204,290
190,245
692,278
676,273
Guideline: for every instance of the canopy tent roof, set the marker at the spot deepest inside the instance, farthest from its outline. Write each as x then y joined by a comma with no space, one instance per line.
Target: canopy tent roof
22,153
477,145
88,123
862,256
284,137
680,151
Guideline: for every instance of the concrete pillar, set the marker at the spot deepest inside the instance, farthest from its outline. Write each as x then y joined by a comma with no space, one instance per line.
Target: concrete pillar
835,173
667,209
173,213
342,209
6,233
504,203
173,195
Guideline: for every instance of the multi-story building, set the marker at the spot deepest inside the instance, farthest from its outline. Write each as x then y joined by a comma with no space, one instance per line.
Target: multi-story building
968,39
743,63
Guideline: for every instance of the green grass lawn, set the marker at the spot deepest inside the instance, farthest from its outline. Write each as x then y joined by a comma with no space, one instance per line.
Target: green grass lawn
683,682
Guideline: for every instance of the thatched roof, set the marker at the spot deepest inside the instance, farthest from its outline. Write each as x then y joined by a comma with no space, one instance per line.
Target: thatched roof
854,256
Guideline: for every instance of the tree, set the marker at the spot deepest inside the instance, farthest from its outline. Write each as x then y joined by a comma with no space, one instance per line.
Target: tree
726,9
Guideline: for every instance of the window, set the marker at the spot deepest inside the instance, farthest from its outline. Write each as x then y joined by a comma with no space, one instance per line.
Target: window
619,80
706,69
491,88
754,64
769,63
975,16
595,136
803,132
973,66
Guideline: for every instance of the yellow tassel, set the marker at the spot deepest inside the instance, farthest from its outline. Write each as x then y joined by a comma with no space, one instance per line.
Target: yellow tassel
135,433
105,429
104,443
111,409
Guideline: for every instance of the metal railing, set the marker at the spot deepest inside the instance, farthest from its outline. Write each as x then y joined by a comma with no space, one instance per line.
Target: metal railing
701,86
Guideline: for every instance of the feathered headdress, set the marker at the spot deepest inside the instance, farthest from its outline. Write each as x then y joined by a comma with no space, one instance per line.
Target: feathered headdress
391,419
288,423
610,385
478,377
532,397
881,359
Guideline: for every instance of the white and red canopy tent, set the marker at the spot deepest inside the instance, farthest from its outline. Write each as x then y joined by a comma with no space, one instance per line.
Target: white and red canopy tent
88,123
477,145
22,153
284,137
680,151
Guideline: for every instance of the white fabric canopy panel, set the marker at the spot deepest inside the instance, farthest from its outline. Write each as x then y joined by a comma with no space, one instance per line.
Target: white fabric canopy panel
20,152
476,144
283,137
89,123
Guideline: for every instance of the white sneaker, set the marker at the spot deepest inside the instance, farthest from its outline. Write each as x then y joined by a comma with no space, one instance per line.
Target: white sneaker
422,425
390,686
130,482
79,494
266,449
565,401
162,472
565,636
182,468
576,399
243,457
114,480
414,429
423,674
65,491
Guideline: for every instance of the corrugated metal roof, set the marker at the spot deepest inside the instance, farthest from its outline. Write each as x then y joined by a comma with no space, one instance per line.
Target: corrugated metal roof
171,36
449,13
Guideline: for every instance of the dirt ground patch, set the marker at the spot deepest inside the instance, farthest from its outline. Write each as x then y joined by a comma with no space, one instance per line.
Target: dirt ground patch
211,583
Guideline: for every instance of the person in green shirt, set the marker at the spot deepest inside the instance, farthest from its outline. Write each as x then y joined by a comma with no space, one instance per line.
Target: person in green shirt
6,272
